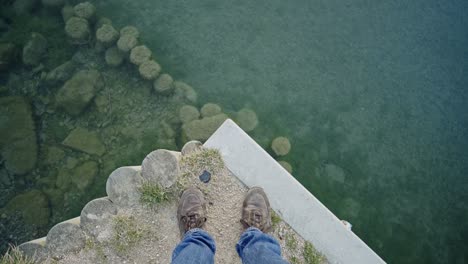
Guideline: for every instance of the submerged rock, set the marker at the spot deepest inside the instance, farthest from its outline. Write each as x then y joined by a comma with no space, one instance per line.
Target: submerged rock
61,73
164,84
34,50
188,113
107,35
126,43
286,165
77,29
281,146
335,173
67,12
202,129
210,109
185,91
33,205
85,10
8,53
247,119
114,57
84,174
84,140
18,145
78,92
130,31
140,54
149,70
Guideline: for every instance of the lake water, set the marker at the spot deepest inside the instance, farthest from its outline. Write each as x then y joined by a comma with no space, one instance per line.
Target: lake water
372,95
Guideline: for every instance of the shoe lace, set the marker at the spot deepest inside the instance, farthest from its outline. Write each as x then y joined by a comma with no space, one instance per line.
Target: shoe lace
192,220
256,219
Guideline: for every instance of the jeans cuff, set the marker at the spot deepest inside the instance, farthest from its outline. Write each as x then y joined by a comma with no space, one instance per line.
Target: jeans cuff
193,230
252,229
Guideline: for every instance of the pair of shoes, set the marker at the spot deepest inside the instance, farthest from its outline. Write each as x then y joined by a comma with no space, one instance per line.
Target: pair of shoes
191,212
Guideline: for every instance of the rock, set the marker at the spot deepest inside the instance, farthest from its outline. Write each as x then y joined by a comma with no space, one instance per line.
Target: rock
78,92
126,43
122,186
34,251
114,57
186,91
78,30
67,12
33,206
162,167
63,180
34,50
83,140
85,10
24,7
54,155
8,54
65,238
247,119
286,165
61,73
18,145
149,70
84,174
210,109
140,54
202,129
130,31
191,147
188,113
53,3
281,146
104,21
335,173
107,35
96,215
164,84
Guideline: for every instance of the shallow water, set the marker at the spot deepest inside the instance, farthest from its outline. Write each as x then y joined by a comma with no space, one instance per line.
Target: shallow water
372,96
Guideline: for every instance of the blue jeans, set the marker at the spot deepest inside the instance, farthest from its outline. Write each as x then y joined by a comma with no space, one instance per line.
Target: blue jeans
254,246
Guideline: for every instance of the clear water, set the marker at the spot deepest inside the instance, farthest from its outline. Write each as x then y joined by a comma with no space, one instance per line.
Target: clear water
377,88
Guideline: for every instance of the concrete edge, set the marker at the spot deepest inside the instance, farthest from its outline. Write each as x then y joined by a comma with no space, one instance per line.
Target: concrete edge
301,210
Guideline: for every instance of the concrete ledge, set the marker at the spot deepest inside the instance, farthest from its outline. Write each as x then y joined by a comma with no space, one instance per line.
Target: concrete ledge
296,205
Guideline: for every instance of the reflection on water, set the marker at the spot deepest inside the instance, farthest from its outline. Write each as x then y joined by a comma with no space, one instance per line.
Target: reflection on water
369,94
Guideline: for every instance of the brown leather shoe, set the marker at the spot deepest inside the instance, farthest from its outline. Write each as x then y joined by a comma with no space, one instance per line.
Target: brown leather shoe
191,212
256,210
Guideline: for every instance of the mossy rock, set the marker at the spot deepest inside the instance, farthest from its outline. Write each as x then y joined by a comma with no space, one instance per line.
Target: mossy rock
33,205
84,140
210,109
202,129
281,146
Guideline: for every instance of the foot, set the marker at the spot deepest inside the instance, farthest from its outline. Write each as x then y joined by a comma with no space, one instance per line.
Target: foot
256,210
191,212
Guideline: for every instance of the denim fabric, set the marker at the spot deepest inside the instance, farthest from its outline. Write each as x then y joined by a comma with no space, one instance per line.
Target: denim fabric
254,247
197,247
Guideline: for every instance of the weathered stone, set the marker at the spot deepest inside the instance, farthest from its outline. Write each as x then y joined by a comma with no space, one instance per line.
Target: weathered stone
85,10
18,145
130,31
122,186
334,173
33,206
191,147
61,73
202,129
8,53
67,12
149,70
96,214
84,174
77,29
84,140
164,84
281,146
63,180
114,57
78,92
161,166
186,91
247,119
126,43
54,155
34,251
188,113
210,109
140,54
286,165
107,35
65,238
34,50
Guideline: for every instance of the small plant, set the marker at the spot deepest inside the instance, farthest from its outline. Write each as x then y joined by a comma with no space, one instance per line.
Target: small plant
311,255
275,219
205,159
126,233
15,256
291,242
294,260
152,194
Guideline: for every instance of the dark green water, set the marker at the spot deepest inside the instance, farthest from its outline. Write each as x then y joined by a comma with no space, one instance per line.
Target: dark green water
377,88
